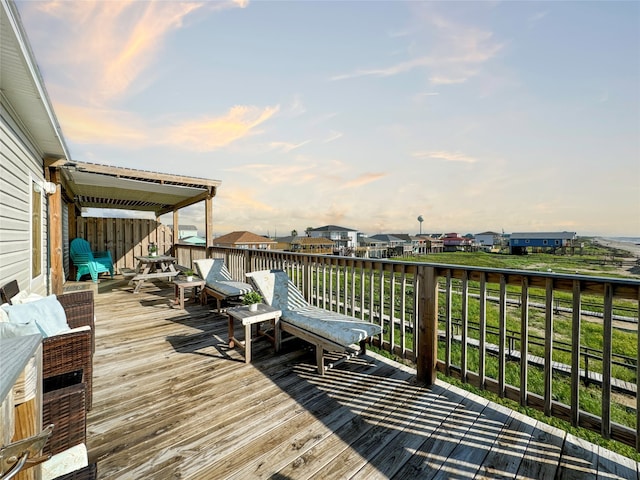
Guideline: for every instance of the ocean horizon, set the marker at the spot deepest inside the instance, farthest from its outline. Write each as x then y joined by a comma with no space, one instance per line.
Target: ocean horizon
633,240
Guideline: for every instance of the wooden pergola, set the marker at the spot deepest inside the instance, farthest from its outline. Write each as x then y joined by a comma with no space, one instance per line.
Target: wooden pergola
87,185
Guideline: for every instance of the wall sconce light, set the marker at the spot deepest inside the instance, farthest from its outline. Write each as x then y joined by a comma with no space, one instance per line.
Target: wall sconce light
49,188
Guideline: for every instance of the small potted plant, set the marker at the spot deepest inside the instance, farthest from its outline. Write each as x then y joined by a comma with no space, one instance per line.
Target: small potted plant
189,274
153,250
252,299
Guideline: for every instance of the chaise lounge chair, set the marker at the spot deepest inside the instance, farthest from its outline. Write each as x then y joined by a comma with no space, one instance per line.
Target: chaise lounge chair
328,331
218,281
88,262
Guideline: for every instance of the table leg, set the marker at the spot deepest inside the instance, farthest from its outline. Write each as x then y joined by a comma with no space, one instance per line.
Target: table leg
231,342
247,343
277,335
181,297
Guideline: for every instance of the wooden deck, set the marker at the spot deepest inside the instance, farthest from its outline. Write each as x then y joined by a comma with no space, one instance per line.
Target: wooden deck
172,401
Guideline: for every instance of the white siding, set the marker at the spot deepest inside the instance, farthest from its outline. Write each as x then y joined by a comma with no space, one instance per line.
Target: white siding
19,165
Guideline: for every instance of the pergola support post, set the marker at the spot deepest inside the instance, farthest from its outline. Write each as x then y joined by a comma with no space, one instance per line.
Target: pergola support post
55,235
208,216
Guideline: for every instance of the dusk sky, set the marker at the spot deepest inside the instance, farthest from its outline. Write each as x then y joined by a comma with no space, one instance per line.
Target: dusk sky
514,116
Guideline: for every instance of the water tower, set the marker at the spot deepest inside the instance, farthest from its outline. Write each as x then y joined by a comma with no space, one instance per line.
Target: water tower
420,219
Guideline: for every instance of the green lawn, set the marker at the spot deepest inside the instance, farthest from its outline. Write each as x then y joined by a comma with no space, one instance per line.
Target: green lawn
596,261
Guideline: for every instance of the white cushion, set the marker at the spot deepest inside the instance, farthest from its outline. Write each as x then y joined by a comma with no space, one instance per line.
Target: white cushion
65,462
47,314
280,292
83,328
17,298
3,315
341,329
230,288
11,330
31,297
218,278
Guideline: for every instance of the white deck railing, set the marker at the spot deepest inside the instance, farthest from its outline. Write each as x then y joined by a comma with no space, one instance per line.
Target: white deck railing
475,324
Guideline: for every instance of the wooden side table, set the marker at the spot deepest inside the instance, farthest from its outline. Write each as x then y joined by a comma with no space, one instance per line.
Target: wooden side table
248,318
181,284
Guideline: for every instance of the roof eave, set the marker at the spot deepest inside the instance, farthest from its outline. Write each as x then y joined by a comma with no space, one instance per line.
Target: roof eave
31,101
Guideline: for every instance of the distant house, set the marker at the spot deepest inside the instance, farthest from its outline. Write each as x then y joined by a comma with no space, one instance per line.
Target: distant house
433,242
488,239
369,247
185,231
408,247
396,245
434,245
419,244
521,242
244,240
194,240
453,242
345,239
305,244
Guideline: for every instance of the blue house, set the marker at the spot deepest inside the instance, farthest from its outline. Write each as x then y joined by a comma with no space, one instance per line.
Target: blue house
519,243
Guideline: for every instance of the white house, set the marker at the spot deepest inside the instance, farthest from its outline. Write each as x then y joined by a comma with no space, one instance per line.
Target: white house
345,239
488,239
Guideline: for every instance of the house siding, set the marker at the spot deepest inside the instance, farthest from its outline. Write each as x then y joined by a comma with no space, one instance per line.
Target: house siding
20,164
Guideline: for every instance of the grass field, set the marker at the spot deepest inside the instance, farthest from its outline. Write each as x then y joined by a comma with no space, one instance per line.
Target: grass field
595,260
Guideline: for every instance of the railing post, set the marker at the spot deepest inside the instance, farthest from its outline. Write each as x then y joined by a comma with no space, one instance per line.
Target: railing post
638,379
306,279
548,348
575,355
607,349
247,263
427,345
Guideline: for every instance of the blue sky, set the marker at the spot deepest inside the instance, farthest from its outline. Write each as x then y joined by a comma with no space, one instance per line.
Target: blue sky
514,116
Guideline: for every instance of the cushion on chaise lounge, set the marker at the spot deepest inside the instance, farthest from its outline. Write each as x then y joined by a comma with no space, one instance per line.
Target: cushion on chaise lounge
280,292
217,277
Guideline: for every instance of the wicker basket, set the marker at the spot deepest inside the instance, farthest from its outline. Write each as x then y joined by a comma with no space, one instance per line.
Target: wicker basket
66,409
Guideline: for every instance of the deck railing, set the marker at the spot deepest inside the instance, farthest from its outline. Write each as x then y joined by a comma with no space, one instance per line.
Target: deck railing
476,324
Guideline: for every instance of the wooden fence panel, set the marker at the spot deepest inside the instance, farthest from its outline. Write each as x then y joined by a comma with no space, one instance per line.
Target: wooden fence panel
124,237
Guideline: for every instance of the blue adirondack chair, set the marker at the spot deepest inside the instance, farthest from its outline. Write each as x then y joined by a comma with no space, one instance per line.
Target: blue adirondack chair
88,262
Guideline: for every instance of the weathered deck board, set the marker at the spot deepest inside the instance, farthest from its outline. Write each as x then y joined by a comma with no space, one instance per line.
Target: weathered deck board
171,400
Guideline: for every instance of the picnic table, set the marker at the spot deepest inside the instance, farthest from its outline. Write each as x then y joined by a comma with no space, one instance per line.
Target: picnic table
150,267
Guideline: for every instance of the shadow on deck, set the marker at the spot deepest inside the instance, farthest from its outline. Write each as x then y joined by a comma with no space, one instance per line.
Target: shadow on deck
171,400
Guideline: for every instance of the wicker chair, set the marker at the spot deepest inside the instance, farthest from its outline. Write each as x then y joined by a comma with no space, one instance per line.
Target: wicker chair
62,354
71,351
